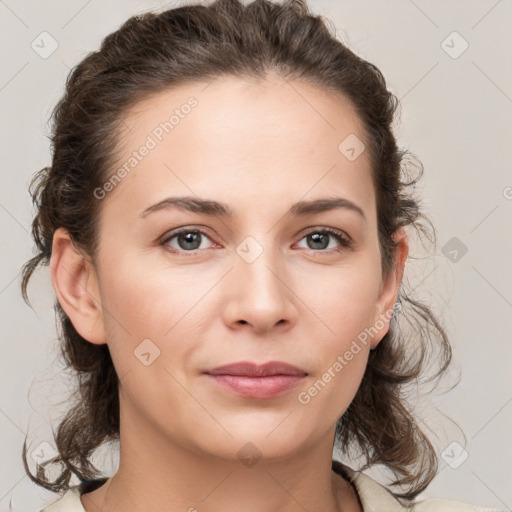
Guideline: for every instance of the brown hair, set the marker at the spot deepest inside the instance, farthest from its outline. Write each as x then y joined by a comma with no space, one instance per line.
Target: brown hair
152,52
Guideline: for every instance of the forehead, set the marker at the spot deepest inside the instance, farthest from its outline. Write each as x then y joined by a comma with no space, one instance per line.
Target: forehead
237,140
275,109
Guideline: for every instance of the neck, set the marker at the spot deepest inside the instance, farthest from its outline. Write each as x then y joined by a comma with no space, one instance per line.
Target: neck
156,473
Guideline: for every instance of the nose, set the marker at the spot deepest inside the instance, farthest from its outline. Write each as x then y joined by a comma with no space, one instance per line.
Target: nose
260,295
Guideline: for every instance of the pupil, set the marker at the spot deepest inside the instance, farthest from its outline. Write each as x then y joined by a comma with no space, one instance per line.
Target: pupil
190,240
316,238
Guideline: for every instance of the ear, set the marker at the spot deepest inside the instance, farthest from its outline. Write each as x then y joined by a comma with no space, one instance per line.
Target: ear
76,285
390,287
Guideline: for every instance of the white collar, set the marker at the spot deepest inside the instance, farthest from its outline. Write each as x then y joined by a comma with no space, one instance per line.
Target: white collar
373,496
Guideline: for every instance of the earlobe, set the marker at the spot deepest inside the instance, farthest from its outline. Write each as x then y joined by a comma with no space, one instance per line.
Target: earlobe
391,287
76,286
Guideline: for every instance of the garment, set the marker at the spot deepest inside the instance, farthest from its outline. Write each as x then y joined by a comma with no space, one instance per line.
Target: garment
373,496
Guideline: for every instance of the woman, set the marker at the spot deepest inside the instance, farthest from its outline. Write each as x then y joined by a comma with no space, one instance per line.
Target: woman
226,221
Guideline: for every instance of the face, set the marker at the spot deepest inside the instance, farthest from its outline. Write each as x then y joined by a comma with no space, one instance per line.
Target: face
259,277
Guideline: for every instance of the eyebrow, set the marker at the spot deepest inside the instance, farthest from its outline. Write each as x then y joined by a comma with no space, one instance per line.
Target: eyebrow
215,208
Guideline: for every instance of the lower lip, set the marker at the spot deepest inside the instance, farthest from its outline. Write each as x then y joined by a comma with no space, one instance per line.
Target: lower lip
258,387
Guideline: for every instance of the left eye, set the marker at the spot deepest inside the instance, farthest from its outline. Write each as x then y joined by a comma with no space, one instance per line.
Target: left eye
319,240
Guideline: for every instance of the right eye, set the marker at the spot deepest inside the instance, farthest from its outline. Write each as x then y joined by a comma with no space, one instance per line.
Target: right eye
187,240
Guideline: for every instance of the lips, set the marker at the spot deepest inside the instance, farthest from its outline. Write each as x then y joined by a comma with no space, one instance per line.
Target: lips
254,381
249,369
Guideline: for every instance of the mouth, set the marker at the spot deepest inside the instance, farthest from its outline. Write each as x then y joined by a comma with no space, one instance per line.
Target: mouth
257,381
249,369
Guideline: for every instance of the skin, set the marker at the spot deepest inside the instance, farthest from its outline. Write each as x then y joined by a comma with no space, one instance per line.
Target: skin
258,147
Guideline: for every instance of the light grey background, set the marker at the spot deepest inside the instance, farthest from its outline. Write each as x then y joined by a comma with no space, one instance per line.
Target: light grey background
456,117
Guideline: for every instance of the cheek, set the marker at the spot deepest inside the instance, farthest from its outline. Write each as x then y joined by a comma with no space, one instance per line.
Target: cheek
340,359
148,302
342,300
330,393
342,327
149,299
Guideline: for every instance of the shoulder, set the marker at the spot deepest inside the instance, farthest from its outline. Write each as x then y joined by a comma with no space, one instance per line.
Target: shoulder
434,505
68,502
374,497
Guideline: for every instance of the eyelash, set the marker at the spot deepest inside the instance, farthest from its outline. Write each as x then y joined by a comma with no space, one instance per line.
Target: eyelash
346,243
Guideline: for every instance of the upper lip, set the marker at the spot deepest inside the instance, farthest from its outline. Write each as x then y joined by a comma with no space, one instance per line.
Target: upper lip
246,368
